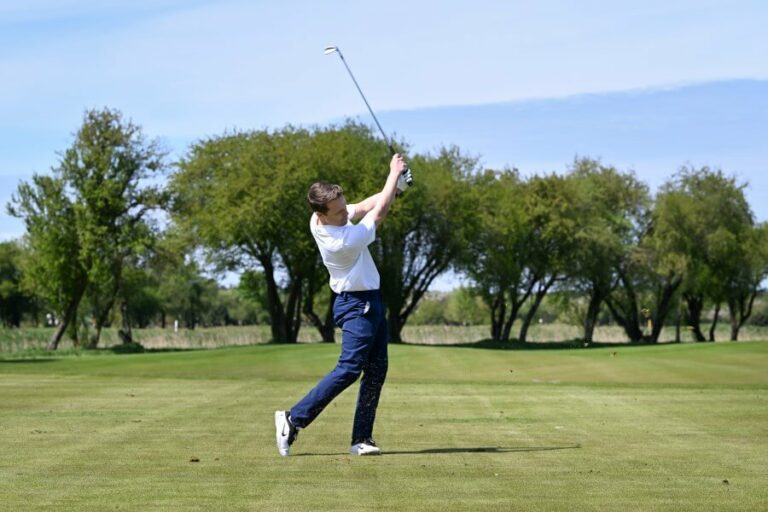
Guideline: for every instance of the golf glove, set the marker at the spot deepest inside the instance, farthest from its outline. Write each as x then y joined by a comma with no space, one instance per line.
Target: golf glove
405,180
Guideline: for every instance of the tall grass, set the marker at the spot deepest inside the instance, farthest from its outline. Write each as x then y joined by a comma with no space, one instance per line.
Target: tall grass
31,338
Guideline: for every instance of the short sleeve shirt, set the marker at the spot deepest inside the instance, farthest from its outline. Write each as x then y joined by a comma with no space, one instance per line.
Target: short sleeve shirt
345,253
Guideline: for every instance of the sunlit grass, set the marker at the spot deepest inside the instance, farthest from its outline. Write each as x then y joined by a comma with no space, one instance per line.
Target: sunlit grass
674,427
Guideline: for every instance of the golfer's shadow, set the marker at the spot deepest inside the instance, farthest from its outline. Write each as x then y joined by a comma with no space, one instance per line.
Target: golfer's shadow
479,449
483,449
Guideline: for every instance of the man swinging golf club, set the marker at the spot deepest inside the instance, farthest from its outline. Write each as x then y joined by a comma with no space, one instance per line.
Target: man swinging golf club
358,308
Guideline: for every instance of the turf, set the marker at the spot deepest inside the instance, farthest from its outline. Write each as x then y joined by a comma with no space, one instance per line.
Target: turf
674,427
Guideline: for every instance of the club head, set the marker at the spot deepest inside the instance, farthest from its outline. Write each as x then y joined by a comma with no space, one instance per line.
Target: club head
330,49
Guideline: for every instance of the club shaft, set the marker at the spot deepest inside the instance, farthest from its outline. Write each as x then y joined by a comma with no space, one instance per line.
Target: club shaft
386,139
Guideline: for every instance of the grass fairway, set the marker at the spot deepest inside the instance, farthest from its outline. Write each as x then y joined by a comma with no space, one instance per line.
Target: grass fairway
676,427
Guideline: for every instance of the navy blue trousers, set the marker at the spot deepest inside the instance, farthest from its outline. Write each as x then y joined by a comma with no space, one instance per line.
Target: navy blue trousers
361,316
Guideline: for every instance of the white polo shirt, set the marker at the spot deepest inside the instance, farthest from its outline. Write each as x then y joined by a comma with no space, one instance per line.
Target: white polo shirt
344,250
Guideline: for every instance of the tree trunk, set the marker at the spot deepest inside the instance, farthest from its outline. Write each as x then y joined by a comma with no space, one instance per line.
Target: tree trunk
735,325
516,304
325,327
498,312
740,309
510,320
274,304
663,303
69,314
293,309
328,331
695,307
53,343
125,333
101,320
714,322
737,318
395,327
627,312
93,343
531,313
593,309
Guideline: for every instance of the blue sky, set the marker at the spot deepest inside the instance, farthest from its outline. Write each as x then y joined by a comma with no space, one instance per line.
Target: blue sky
187,69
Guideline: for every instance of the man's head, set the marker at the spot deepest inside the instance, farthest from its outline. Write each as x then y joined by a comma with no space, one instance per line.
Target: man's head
327,200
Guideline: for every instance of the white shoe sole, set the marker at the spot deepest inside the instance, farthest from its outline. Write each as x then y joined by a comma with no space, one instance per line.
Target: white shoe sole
365,450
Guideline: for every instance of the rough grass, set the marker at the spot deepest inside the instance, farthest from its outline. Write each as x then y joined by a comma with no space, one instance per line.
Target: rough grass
31,338
675,427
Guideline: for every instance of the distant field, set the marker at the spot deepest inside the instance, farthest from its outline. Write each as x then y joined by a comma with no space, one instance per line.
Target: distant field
670,427
14,340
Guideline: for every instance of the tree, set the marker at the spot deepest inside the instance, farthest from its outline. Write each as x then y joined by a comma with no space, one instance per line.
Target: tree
550,203
741,282
463,306
14,302
86,220
655,260
242,196
496,256
54,270
424,233
610,204
139,293
658,265
716,225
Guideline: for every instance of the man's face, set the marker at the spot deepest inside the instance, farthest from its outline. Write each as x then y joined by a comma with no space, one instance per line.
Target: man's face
336,214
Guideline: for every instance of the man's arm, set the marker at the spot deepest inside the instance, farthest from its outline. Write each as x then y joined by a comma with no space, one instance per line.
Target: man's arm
387,194
363,207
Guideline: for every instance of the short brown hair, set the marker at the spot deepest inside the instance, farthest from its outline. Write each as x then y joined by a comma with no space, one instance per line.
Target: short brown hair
322,193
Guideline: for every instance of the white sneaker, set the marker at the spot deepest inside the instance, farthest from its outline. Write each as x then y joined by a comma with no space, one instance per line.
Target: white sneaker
367,447
285,432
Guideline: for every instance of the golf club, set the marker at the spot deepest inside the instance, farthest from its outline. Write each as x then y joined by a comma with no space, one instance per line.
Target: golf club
335,49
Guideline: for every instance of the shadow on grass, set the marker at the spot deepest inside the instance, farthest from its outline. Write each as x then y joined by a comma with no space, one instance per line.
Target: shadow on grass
549,345
480,449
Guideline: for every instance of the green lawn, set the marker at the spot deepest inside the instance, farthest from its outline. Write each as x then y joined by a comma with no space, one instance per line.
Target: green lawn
673,427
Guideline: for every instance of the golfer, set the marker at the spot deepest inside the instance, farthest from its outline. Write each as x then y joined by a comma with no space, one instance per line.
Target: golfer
358,308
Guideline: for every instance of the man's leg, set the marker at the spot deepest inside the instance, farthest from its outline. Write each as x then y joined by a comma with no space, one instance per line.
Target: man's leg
374,374
358,333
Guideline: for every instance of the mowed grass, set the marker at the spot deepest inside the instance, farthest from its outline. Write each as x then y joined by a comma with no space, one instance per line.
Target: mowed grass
673,427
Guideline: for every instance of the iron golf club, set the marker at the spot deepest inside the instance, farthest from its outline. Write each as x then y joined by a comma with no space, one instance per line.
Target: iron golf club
335,49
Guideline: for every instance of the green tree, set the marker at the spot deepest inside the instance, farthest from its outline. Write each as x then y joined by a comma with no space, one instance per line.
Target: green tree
107,169
550,205
243,197
748,262
54,270
14,302
91,216
139,296
186,294
463,306
431,310
497,257
716,226
661,260
609,209
425,232
252,288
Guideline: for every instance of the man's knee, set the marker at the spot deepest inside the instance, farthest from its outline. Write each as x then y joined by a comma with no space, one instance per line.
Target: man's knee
348,371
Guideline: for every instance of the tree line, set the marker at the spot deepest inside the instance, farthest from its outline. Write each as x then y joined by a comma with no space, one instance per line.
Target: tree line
117,233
